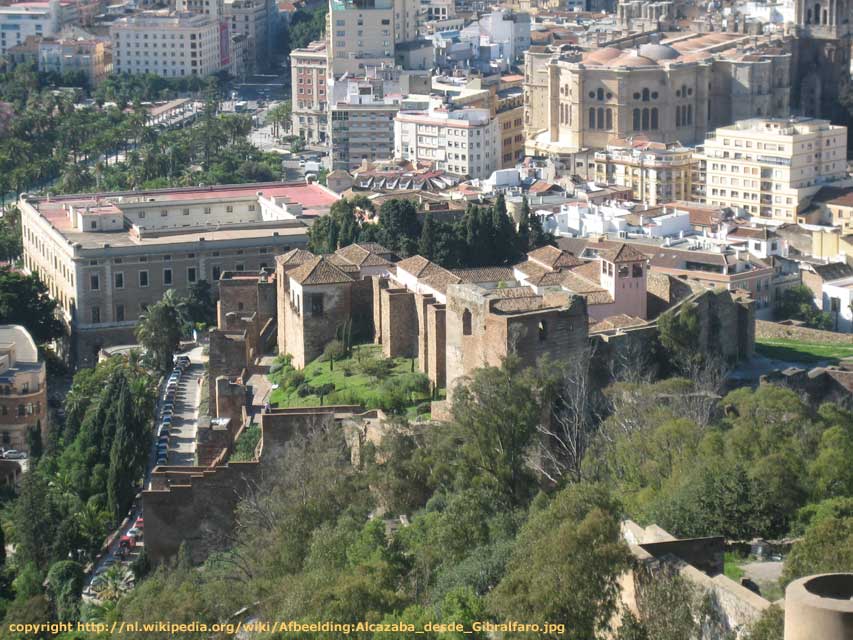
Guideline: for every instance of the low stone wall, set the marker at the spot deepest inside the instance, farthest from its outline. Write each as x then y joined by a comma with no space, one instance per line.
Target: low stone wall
775,331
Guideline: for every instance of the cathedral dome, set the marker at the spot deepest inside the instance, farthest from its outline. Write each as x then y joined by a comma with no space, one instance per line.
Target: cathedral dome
658,52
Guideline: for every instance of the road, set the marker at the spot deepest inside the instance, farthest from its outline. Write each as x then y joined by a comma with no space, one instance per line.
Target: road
181,452
182,443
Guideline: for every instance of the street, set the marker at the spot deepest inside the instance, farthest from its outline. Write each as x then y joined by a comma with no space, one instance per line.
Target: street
185,415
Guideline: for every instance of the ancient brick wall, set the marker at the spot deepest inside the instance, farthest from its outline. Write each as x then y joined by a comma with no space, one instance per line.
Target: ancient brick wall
282,302
378,284
436,362
236,295
307,333
399,323
557,333
363,309
425,346
230,399
228,356
464,339
266,305
777,331
196,505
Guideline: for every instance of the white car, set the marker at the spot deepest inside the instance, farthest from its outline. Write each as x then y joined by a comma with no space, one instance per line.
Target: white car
14,454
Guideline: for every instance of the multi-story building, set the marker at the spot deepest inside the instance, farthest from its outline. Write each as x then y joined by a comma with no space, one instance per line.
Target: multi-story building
657,173
308,73
509,114
254,20
770,167
671,91
463,141
105,257
23,388
169,44
24,19
360,33
68,55
362,114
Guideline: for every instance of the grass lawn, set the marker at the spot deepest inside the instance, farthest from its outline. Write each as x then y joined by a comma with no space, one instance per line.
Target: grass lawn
805,352
400,389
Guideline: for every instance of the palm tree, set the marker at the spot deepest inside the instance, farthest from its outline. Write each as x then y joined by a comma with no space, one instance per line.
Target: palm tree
113,583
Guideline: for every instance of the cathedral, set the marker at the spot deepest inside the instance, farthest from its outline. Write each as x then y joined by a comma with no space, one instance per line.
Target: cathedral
821,59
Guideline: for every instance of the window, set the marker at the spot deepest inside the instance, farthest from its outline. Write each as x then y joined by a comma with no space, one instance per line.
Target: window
239,267
94,282
164,213
637,271
316,304
143,278
95,314
229,209
119,280
466,323
119,313
191,274
216,273
186,212
167,276
543,331
207,209
636,120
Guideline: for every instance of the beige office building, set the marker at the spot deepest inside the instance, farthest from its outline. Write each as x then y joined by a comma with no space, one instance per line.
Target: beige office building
106,257
171,45
769,168
657,173
363,33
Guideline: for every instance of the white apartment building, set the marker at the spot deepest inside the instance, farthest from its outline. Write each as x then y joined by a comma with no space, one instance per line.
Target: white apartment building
169,44
24,19
770,167
463,142
362,114
308,69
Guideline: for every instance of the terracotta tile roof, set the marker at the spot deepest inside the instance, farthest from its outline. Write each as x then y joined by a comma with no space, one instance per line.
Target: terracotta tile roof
625,253
553,258
531,269
414,265
319,270
585,281
294,257
364,255
518,305
618,321
485,274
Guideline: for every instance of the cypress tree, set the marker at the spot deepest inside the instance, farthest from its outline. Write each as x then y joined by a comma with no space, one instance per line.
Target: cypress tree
524,228
427,242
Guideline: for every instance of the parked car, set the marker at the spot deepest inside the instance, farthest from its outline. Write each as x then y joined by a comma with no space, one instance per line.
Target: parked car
140,523
166,420
135,533
128,541
14,454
